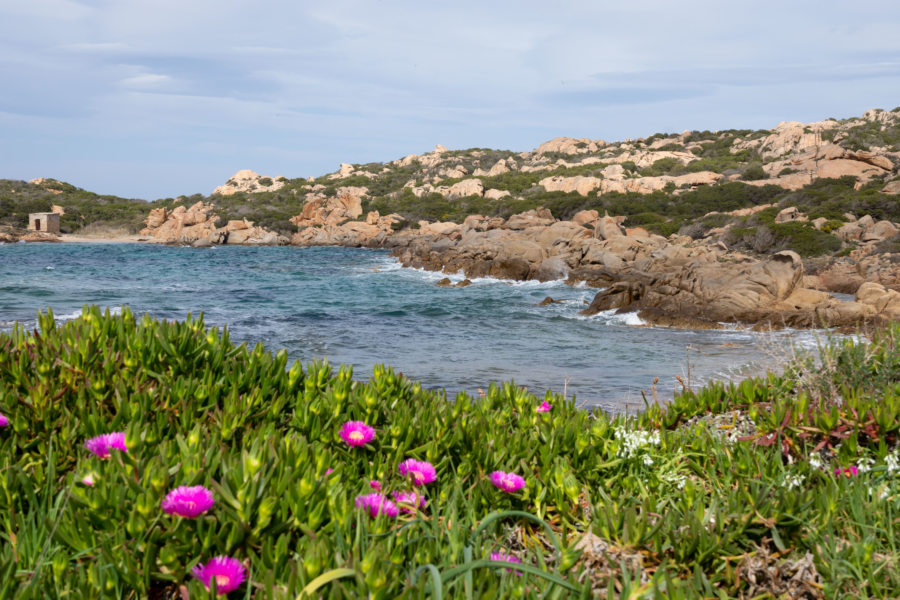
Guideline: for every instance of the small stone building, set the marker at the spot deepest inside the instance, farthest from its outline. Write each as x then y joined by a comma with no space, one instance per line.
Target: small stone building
46,221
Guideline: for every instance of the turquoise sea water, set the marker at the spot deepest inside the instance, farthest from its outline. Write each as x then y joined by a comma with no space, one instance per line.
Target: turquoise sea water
360,307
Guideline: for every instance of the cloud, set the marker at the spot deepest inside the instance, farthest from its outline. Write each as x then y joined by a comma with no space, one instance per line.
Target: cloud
94,47
146,80
299,87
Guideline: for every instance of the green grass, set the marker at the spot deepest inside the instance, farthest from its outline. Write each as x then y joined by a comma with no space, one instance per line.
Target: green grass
682,496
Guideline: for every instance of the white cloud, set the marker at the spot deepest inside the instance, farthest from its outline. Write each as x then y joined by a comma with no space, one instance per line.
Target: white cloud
146,80
355,80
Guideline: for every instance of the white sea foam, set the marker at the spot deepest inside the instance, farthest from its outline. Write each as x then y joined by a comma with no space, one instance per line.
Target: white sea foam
68,316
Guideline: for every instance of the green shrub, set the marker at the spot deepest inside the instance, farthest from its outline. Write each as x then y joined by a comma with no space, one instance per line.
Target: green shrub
754,173
804,239
664,166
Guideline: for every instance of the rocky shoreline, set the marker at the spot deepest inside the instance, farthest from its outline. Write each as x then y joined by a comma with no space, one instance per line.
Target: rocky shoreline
672,282
720,265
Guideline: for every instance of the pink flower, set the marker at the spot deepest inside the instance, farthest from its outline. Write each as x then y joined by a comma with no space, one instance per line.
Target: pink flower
102,444
376,504
188,502
502,556
88,479
847,472
409,501
422,472
356,433
329,471
375,485
545,407
4,420
228,573
508,482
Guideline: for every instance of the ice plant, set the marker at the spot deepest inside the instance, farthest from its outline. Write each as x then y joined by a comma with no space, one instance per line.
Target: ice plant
102,444
545,407
409,501
88,479
502,556
356,433
188,501
508,482
420,471
376,504
847,471
4,420
375,485
227,572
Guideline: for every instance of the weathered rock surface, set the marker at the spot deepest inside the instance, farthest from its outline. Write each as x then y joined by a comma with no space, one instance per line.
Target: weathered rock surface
249,181
648,185
195,224
567,145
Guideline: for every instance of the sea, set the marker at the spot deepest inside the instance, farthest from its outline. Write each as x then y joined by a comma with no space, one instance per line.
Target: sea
361,307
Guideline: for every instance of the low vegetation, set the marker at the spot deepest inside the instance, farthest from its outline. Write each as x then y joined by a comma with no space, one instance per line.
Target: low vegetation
781,486
83,208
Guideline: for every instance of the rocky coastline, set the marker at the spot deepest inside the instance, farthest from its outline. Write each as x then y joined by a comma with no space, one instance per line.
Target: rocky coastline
674,282
671,250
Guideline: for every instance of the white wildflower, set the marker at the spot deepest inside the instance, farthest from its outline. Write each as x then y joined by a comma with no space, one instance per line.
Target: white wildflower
864,464
648,460
793,481
892,462
815,461
632,441
881,495
676,479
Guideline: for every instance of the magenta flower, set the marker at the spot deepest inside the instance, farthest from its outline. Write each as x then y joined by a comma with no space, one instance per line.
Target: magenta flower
409,501
376,504
502,556
508,482
356,433
102,444
420,471
847,472
329,471
545,407
189,502
4,420
375,485
228,573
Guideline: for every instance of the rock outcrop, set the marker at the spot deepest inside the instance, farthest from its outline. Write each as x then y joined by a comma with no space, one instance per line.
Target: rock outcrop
249,181
567,145
196,226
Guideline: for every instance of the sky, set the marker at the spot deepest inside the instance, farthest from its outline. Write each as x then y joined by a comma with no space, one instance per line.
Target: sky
160,98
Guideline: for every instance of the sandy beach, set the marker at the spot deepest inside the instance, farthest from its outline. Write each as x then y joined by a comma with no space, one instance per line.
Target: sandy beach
107,239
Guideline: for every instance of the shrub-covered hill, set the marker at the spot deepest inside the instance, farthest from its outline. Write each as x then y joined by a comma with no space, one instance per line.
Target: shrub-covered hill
82,208
836,170
786,486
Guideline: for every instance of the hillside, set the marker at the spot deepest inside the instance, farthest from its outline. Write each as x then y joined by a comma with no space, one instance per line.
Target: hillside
832,171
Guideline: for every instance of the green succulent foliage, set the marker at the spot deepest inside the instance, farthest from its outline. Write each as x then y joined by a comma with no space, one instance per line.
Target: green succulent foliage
668,484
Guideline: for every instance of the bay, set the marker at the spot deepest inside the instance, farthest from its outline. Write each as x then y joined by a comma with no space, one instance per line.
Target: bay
360,307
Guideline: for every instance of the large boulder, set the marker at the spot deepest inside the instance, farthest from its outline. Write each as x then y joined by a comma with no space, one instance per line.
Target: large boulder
551,269
583,185
530,218
249,181
885,302
567,145
710,291
466,187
